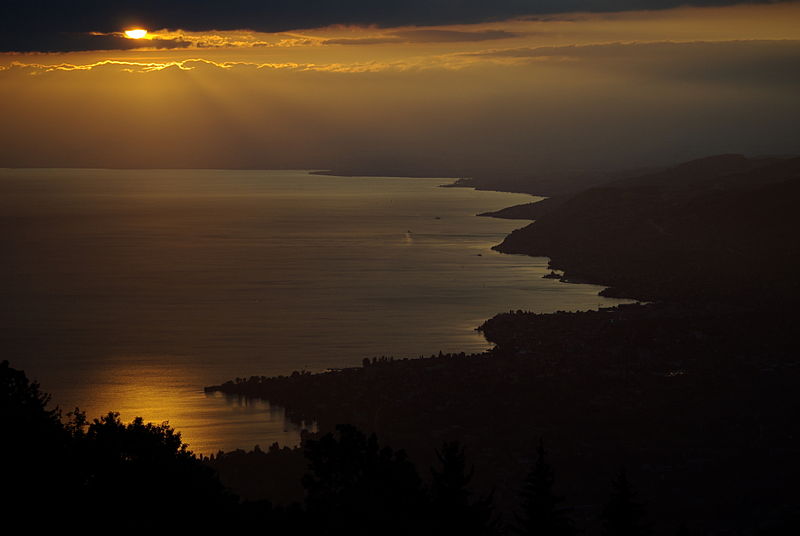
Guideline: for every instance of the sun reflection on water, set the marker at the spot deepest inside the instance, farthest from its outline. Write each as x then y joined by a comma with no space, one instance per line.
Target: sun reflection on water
159,391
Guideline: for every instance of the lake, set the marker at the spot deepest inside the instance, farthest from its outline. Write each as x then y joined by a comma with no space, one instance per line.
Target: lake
129,290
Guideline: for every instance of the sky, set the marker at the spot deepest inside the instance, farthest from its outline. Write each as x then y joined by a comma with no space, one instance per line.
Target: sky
439,87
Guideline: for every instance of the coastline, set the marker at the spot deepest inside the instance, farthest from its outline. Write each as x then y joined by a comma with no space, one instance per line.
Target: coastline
374,173
604,388
667,389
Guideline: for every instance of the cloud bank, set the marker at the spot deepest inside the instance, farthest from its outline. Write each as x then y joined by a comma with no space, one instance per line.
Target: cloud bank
56,25
516,110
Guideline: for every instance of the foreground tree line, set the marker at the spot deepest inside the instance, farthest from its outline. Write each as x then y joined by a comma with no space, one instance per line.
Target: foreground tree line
699,403
142,475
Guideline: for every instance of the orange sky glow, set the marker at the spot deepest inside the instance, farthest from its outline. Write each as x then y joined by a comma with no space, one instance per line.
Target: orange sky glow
545,87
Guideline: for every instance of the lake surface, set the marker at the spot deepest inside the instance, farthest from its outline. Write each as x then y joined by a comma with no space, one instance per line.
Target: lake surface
129,290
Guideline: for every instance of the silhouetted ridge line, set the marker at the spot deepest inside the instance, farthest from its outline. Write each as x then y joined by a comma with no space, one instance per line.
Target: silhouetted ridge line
719,229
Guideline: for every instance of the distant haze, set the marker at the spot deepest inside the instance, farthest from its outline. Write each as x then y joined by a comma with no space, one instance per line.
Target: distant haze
569,91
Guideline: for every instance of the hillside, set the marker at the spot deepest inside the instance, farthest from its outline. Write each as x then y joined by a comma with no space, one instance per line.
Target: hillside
718,229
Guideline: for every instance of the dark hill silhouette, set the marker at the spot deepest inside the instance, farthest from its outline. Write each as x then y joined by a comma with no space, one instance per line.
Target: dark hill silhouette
492,178
550,184
717,228
689,175
528,211
699,404
703,174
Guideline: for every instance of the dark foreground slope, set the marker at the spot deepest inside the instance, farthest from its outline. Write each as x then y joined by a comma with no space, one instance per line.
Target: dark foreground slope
699,405
721,229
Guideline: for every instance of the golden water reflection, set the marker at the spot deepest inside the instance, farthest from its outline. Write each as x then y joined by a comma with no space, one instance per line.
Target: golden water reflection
147,387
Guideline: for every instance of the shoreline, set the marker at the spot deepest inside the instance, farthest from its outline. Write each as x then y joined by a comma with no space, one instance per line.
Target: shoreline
668,389
604,388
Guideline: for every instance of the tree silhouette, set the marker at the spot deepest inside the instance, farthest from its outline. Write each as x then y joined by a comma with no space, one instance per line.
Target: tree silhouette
452,509
623,516
357,487
35,446
142,470
541,513
147,466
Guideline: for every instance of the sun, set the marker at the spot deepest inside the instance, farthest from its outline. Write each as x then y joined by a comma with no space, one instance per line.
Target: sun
135,34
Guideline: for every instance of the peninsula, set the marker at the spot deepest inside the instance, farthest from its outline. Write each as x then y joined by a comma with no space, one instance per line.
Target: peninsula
683,391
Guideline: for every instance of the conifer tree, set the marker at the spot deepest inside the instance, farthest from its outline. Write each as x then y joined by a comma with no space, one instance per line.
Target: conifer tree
623,515
541,513
355,486
453,510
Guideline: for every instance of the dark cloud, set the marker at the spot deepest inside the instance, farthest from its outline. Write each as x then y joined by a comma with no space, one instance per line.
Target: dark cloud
451,36
765,63
46,25
74,42
364,41
427,36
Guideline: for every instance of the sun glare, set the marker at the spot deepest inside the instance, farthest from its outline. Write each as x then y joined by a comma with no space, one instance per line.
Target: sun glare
135,34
